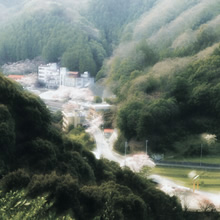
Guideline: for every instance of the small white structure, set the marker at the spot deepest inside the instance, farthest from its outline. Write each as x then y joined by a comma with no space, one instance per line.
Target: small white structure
96,108
75,79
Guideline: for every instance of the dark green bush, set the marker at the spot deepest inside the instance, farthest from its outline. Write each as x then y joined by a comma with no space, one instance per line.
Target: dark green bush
15,180
43,183
66,194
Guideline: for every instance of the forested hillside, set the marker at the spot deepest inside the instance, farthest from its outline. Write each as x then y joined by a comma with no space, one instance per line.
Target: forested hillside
165,73
170,107
162,60
56,33
149,48
52,176
79,36
52,36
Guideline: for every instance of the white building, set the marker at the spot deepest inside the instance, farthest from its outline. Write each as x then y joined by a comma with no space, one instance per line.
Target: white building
75,79
49,75
52,77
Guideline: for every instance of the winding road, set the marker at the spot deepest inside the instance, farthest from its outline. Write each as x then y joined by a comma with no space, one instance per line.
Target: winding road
104,146
189,200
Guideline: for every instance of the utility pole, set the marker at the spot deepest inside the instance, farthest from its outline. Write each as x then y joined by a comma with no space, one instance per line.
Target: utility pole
146,146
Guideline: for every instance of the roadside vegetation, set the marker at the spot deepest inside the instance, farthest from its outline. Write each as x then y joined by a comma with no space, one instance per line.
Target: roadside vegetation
209,180
78,135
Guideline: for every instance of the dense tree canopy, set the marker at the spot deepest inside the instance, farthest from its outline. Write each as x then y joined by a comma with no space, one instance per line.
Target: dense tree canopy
53,37
187,104
37,158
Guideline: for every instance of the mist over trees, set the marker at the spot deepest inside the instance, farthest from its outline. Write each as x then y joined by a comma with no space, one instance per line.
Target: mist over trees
139,36
162,60
51,36
152,70
81,36
167,109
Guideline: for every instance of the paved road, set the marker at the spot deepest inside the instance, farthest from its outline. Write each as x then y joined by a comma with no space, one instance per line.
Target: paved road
104,147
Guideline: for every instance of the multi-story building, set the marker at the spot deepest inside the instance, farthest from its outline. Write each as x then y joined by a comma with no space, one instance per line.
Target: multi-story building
52,77
75,117
49,75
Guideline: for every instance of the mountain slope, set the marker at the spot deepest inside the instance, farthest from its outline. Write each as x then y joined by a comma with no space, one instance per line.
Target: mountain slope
56,31
35,157
145,40
156,51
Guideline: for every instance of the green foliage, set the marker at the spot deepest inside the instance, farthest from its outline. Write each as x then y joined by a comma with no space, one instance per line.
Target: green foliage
188,104
40,154
40,184
65,175
77,166
116,201
15,180
7,131
63,189
125,69
206,37
169,206
128,118
17,205
111,15
57,117
150,57
105,171
97,99
119,145
79,136
190,146
108,117
66,195
56,38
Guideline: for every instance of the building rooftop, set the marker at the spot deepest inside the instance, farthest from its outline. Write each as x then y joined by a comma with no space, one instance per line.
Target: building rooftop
68,114
101,106
16,77
108,130
73,74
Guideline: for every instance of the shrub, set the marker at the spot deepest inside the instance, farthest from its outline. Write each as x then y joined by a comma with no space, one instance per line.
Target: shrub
43,183
15,180
97,99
